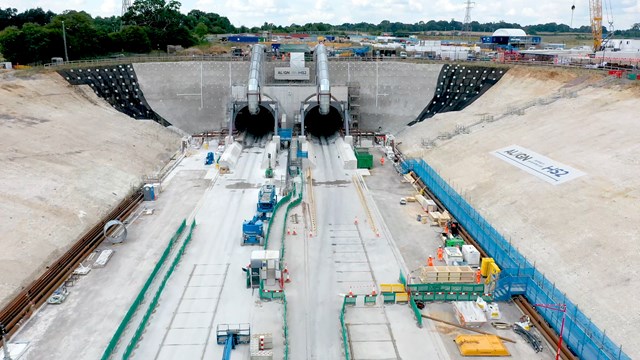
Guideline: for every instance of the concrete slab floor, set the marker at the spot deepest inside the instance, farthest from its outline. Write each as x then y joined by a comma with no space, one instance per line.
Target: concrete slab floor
373,350
209,277
368,332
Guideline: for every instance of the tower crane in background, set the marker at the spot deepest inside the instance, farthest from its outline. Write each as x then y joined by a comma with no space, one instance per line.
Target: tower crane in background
595,10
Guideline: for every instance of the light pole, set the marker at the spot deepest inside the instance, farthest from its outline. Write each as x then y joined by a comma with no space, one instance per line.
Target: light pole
64,39
556,307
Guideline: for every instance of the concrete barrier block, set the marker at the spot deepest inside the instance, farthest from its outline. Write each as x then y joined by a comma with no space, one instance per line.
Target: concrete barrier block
347,155
230,156
348,140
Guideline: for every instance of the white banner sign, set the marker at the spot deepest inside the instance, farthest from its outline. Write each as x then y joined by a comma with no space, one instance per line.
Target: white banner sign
289,73
538,165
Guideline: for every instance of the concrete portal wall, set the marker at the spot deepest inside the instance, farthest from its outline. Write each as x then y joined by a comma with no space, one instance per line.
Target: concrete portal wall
290,97
392,94
174,90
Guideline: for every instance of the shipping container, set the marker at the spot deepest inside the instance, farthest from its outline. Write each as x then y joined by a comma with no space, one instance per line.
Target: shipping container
244,39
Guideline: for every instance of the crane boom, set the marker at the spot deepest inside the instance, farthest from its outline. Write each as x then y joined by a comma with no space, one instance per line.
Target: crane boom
595,7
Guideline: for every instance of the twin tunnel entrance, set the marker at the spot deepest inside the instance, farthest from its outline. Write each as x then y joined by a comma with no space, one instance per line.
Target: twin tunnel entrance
315,123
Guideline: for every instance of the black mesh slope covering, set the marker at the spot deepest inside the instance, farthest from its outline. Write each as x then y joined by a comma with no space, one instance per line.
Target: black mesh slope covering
118,85
459,86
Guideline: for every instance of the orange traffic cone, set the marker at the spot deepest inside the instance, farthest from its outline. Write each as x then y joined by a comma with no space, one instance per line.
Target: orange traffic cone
294,231
374,293
288,231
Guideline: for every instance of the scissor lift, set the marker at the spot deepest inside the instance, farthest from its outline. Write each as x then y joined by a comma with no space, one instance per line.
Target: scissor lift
232,335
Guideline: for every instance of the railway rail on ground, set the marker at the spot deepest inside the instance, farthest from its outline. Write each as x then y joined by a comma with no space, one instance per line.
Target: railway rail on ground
25,304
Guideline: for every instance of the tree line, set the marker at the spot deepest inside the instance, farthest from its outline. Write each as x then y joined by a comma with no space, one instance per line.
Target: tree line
35,36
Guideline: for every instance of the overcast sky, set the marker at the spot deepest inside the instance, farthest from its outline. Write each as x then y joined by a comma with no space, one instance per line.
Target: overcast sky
284,12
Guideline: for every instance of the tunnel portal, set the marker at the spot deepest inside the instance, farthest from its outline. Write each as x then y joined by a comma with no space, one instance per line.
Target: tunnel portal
257,125
322,125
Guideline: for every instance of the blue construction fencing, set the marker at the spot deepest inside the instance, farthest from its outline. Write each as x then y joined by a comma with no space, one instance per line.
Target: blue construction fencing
519,276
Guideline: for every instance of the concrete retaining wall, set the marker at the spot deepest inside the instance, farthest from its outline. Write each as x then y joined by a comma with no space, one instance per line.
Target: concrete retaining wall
392,94
193,96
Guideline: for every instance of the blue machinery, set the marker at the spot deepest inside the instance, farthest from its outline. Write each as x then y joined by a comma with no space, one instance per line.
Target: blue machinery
209,159
232,335
253,230
267,200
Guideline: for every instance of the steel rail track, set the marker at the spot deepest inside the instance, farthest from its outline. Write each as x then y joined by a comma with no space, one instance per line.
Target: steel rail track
15,314
523,304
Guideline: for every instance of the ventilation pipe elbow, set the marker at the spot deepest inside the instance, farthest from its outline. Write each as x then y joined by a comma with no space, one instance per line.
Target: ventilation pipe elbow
322,77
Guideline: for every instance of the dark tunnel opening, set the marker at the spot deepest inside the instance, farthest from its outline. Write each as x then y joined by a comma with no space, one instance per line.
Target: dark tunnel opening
257,125
322,125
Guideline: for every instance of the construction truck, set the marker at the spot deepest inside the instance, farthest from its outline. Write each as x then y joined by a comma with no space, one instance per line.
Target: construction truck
252,232
267,200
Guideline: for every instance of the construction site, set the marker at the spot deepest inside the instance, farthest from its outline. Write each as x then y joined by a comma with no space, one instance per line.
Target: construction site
318,208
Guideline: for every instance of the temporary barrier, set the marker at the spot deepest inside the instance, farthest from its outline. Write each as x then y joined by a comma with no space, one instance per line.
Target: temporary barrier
140,298
479,288
518,275
370,299
389,297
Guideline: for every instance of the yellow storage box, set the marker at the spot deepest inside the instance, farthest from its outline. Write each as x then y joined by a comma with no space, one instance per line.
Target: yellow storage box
481,345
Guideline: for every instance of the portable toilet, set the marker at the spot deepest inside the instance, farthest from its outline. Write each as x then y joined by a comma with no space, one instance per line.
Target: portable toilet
148,193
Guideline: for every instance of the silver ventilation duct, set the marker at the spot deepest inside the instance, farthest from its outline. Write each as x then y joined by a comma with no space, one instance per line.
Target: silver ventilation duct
322,77
253,87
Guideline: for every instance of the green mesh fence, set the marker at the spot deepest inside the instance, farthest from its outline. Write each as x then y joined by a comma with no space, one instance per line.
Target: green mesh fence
108,352
154,302
402,279
273,216
286,329
343,325
416,311
291,205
